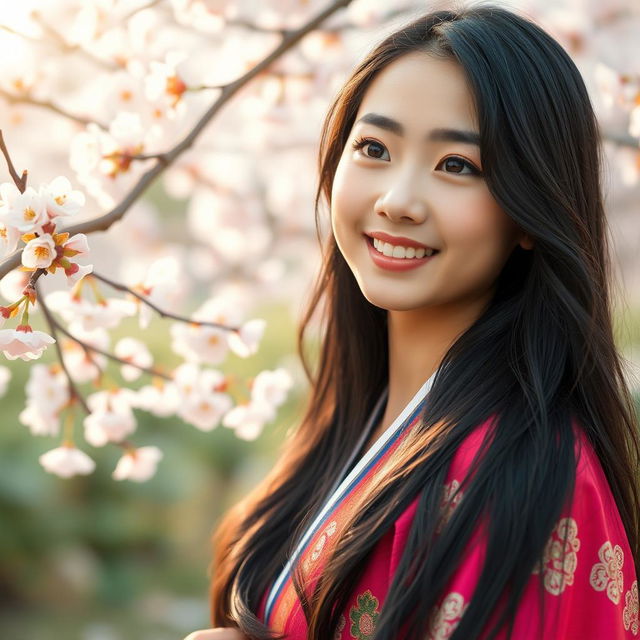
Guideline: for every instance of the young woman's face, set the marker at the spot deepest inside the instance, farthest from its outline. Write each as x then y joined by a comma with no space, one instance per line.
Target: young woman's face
417,180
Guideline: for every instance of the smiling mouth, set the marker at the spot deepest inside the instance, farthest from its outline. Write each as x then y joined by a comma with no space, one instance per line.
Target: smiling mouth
399,252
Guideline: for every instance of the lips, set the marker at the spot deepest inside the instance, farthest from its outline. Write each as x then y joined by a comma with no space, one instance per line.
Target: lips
398,241
389,263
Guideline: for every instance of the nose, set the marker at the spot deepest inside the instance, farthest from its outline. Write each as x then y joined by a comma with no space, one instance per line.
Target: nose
402,200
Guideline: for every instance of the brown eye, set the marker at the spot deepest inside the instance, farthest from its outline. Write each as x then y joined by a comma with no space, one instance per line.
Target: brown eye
374,148
455,164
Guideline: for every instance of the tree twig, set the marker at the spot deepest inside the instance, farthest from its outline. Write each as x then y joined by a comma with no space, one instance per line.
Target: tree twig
20,182
53,325
161,312
107,354
50,106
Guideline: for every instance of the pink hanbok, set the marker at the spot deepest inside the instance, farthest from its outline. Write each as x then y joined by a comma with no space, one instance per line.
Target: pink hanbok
593,595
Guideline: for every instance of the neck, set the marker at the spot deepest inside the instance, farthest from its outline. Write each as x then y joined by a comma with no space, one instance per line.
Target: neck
418,341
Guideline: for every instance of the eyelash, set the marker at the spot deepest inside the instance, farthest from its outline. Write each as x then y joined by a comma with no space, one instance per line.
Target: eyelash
359,143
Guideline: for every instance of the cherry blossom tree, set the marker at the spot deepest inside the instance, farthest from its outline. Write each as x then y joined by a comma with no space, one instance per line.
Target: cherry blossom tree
215,104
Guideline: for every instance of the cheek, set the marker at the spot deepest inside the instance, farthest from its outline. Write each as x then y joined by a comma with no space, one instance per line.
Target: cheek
482,232
346,196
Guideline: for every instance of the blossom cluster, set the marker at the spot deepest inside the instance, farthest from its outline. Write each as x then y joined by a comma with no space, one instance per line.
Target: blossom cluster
31,215
194,391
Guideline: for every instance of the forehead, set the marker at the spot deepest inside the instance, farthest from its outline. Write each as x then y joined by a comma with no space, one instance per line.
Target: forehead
421,91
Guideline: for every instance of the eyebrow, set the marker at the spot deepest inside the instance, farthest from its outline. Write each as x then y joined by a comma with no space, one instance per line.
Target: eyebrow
435,135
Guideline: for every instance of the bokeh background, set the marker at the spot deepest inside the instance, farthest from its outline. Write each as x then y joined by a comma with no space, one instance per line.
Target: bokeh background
90,558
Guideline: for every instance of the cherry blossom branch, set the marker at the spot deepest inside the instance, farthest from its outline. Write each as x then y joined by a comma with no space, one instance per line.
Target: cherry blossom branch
107,354
20,182
50,106
53,326
102,223
161,312
252,26
149,5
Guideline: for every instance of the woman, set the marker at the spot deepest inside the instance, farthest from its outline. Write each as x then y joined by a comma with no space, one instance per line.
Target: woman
467,466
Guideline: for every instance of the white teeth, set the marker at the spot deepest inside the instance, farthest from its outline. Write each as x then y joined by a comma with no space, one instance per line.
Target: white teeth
397,251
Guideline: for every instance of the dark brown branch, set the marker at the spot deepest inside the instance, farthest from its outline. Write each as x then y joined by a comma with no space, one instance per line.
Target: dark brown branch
111,356
53,325
20,182
161,312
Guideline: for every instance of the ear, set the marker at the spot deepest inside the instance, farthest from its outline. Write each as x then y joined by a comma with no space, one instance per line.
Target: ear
526,242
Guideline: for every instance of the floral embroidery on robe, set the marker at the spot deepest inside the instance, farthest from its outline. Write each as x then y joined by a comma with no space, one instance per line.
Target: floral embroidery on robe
607,574
364,616
560,557
630,613
446,617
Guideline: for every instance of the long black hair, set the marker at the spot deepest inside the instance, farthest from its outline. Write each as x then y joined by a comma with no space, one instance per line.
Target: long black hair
540,358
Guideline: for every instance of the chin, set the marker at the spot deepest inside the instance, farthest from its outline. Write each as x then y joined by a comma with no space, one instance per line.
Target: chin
392,302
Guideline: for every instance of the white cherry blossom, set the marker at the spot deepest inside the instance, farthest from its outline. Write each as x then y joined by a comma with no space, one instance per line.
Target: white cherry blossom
161,399
61,199
190,379
245,342
76,245
26,211
248,420
136,352
47,388
13,284
84,367
203,402
106,426
168,80
77,272
138,464
207,345
9,237
90,316
119,400
159,287
271,387
39,253
67,461
24,343
205,410
40,421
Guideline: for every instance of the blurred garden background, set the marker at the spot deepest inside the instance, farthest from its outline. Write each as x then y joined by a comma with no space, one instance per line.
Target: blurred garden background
92,558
